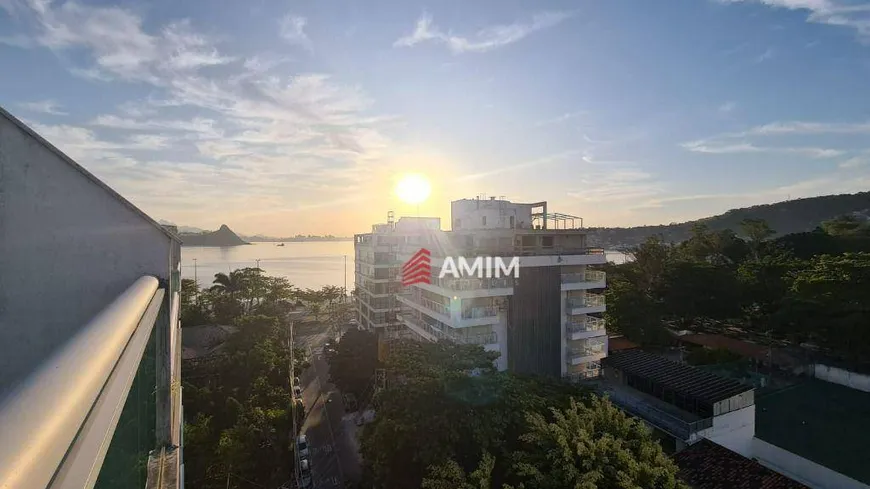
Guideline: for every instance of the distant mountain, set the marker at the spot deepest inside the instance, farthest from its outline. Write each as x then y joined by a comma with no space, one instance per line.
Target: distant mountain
182,229
259,238
222,237
792,216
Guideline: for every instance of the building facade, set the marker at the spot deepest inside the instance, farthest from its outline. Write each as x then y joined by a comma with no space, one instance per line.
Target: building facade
89,336
545,321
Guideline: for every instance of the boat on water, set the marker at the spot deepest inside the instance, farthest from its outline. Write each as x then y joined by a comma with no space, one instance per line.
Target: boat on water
280,244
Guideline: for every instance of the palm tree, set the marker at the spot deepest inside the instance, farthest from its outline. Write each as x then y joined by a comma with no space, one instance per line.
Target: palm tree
228,284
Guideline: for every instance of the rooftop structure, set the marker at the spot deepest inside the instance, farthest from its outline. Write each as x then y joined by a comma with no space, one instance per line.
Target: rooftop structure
706,465
683,401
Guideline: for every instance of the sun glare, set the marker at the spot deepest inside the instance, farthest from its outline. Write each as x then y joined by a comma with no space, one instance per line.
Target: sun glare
413,189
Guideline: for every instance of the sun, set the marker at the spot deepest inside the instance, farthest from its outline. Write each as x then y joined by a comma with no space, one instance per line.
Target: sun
413,189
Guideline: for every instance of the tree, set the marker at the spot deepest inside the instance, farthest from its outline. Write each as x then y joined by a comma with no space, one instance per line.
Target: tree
592,445
757,231
352,368
848,225
634,314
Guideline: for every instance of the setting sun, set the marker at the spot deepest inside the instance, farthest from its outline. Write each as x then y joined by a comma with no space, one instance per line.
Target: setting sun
413,189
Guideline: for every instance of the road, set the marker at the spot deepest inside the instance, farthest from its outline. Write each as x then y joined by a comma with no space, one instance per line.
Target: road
331,432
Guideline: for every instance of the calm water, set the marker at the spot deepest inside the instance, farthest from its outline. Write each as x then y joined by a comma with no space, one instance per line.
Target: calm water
306,265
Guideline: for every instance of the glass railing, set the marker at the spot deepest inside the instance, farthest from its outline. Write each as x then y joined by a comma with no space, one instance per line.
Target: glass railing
479,339
588,276
590,300
680,428
581,351
479,312
590,324
473,283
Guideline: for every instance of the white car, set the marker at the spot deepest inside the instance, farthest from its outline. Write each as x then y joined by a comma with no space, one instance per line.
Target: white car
302,447
296,381
297,392
305,473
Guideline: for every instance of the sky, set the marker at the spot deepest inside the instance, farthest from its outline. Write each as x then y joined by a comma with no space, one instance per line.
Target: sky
300,116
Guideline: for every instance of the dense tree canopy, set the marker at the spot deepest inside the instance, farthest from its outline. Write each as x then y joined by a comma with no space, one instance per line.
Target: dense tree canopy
802,287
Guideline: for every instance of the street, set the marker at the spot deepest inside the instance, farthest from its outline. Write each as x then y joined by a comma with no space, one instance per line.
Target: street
331,432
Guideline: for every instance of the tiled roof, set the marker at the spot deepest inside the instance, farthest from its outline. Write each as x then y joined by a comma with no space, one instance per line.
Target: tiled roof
617,343
706,465
683,379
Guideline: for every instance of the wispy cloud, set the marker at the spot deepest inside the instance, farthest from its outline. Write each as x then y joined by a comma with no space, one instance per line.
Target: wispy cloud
545,160
560,118
858,161
727,107
715,147
292,30
802,127
768,53
838,13
486,39
43,107
246,134
16,40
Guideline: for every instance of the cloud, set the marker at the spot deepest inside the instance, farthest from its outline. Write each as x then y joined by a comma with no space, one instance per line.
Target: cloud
768,53
800,127
43,107
16,40
526,164
838,13
225,139
727,107
856,161
292,29
712,147
561,118
486,39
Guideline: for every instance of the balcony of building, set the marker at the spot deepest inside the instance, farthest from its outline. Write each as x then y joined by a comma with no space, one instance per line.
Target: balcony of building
95,409
585,304
433,330
455,312
585,351
471,287
585,327
590,279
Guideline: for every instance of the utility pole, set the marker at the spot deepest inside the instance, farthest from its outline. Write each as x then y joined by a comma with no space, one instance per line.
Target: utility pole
344,295
258,263
196,281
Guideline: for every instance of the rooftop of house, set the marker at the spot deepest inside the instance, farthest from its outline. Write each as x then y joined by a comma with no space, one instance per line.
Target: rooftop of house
618,343
745,349
820,421
707,465
686,380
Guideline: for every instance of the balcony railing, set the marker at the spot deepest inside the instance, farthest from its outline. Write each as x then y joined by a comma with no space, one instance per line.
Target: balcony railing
590,324
479,312
55,425
574,352
478,339
444,332
580,277
678,427
590,300
473,283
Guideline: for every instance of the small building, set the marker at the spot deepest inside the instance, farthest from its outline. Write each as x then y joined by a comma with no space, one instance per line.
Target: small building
683,401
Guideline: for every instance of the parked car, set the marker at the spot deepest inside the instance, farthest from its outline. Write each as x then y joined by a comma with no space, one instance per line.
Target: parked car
302,447
297,391
305,473
296,381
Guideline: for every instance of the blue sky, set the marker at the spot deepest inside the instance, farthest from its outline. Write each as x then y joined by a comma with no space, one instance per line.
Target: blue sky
286,117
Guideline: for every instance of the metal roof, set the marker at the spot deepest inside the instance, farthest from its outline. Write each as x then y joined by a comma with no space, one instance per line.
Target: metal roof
683,379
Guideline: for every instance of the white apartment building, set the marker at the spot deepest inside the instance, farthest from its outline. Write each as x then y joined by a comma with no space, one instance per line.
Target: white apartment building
545,322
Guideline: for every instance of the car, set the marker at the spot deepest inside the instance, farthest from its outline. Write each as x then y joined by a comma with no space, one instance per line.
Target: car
302,447
296,381
297,391
305,473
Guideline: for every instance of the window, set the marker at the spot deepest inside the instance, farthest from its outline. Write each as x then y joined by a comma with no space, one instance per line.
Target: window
547,241
512,222
483,221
